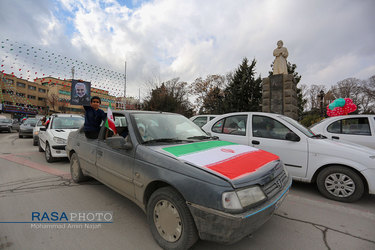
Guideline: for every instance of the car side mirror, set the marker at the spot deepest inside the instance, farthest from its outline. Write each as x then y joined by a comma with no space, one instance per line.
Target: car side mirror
43,129
292,137
118,142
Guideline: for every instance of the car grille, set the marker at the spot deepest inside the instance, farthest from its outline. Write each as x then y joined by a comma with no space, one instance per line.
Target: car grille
277,184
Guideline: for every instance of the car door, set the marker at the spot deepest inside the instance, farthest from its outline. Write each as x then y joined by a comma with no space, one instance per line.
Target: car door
353,129
87,152
232,128
115,166
273,135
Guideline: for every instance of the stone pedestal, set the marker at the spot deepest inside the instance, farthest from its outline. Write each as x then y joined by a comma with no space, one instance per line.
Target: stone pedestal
280,95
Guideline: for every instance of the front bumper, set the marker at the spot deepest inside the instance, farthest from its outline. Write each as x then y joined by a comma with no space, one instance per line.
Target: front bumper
58,151
369,175
225,228
5,128
26,132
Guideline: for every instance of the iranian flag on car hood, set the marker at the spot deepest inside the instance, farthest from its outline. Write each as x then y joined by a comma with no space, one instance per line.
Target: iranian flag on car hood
225,158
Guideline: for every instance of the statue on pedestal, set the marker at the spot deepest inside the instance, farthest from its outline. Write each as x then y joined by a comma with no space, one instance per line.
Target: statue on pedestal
279,65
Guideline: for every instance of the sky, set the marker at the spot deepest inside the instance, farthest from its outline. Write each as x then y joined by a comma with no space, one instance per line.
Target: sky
329,41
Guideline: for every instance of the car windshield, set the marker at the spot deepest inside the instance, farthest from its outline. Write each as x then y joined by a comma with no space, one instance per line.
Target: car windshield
298,126
5,121
30,122
70,122
166,127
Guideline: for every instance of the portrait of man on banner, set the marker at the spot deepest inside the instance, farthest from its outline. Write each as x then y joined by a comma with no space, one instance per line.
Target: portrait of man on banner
80,93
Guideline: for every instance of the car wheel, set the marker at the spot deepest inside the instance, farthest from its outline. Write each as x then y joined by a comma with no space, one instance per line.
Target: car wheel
49,157
170,220
20,136
35,142
340,184
75,169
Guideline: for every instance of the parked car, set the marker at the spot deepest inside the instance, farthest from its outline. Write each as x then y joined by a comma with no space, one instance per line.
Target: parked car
36,129
6,125
188,184
359,129
200,120
26,128
341,171
52,139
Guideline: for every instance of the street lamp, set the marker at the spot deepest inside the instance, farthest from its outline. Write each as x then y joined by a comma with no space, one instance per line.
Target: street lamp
321,96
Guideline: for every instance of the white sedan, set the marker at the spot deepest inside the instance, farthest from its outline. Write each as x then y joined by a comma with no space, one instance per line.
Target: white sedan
52,139
342,172
359,129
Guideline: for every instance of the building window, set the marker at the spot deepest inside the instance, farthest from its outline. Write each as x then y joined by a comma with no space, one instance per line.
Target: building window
8,103
9,81
32,87
31,97
20,84
42,90
41,99
20,94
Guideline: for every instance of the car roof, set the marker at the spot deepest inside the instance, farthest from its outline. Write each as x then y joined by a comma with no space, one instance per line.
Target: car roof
66,115
141,112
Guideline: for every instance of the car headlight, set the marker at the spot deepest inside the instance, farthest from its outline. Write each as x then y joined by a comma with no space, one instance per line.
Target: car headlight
237,200
59,140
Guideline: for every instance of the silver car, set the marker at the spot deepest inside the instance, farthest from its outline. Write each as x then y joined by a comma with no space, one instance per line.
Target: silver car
6,125
26,128
36,130
189,185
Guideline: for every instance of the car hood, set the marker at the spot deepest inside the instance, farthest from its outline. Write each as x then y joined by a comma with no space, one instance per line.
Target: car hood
62,133
236,163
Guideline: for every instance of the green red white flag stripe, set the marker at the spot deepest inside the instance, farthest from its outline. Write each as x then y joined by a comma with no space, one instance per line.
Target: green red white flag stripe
110,123
226,158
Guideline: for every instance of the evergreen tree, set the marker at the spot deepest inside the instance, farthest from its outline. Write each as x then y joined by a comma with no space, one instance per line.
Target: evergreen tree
244,91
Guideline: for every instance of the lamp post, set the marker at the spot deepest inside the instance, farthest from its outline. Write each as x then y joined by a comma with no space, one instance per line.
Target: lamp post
321,96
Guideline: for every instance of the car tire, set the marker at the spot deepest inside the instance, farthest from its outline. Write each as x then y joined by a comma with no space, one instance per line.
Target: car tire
35,143
48,154
76,170
20,136
166,204
340,184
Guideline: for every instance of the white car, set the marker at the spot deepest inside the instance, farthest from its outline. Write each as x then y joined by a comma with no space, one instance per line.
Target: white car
52,139
342,172
359,129
201,120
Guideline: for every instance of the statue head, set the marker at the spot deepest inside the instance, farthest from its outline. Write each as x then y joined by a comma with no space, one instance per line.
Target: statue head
280,44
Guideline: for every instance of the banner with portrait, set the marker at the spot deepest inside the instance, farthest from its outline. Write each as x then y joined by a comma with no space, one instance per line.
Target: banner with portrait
80,93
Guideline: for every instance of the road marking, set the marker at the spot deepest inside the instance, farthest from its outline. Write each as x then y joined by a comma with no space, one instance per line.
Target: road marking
34,165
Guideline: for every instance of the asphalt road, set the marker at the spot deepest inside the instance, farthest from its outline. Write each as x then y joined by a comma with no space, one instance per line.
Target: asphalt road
29,184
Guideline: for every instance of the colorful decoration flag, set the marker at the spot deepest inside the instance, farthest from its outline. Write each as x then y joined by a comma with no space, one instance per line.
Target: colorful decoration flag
110,123
226,158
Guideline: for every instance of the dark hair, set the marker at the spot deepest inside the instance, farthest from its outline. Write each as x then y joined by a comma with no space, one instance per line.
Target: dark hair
97,98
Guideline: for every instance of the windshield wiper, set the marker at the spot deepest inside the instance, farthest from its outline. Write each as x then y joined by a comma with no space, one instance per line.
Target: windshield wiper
165,140
320,136
202,137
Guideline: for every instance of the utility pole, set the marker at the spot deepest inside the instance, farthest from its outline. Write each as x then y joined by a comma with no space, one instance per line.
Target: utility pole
125,89
73,73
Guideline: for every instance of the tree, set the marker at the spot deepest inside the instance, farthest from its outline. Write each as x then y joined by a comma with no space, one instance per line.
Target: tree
361,92
53,100
244,91
206,90
313,93
170,96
